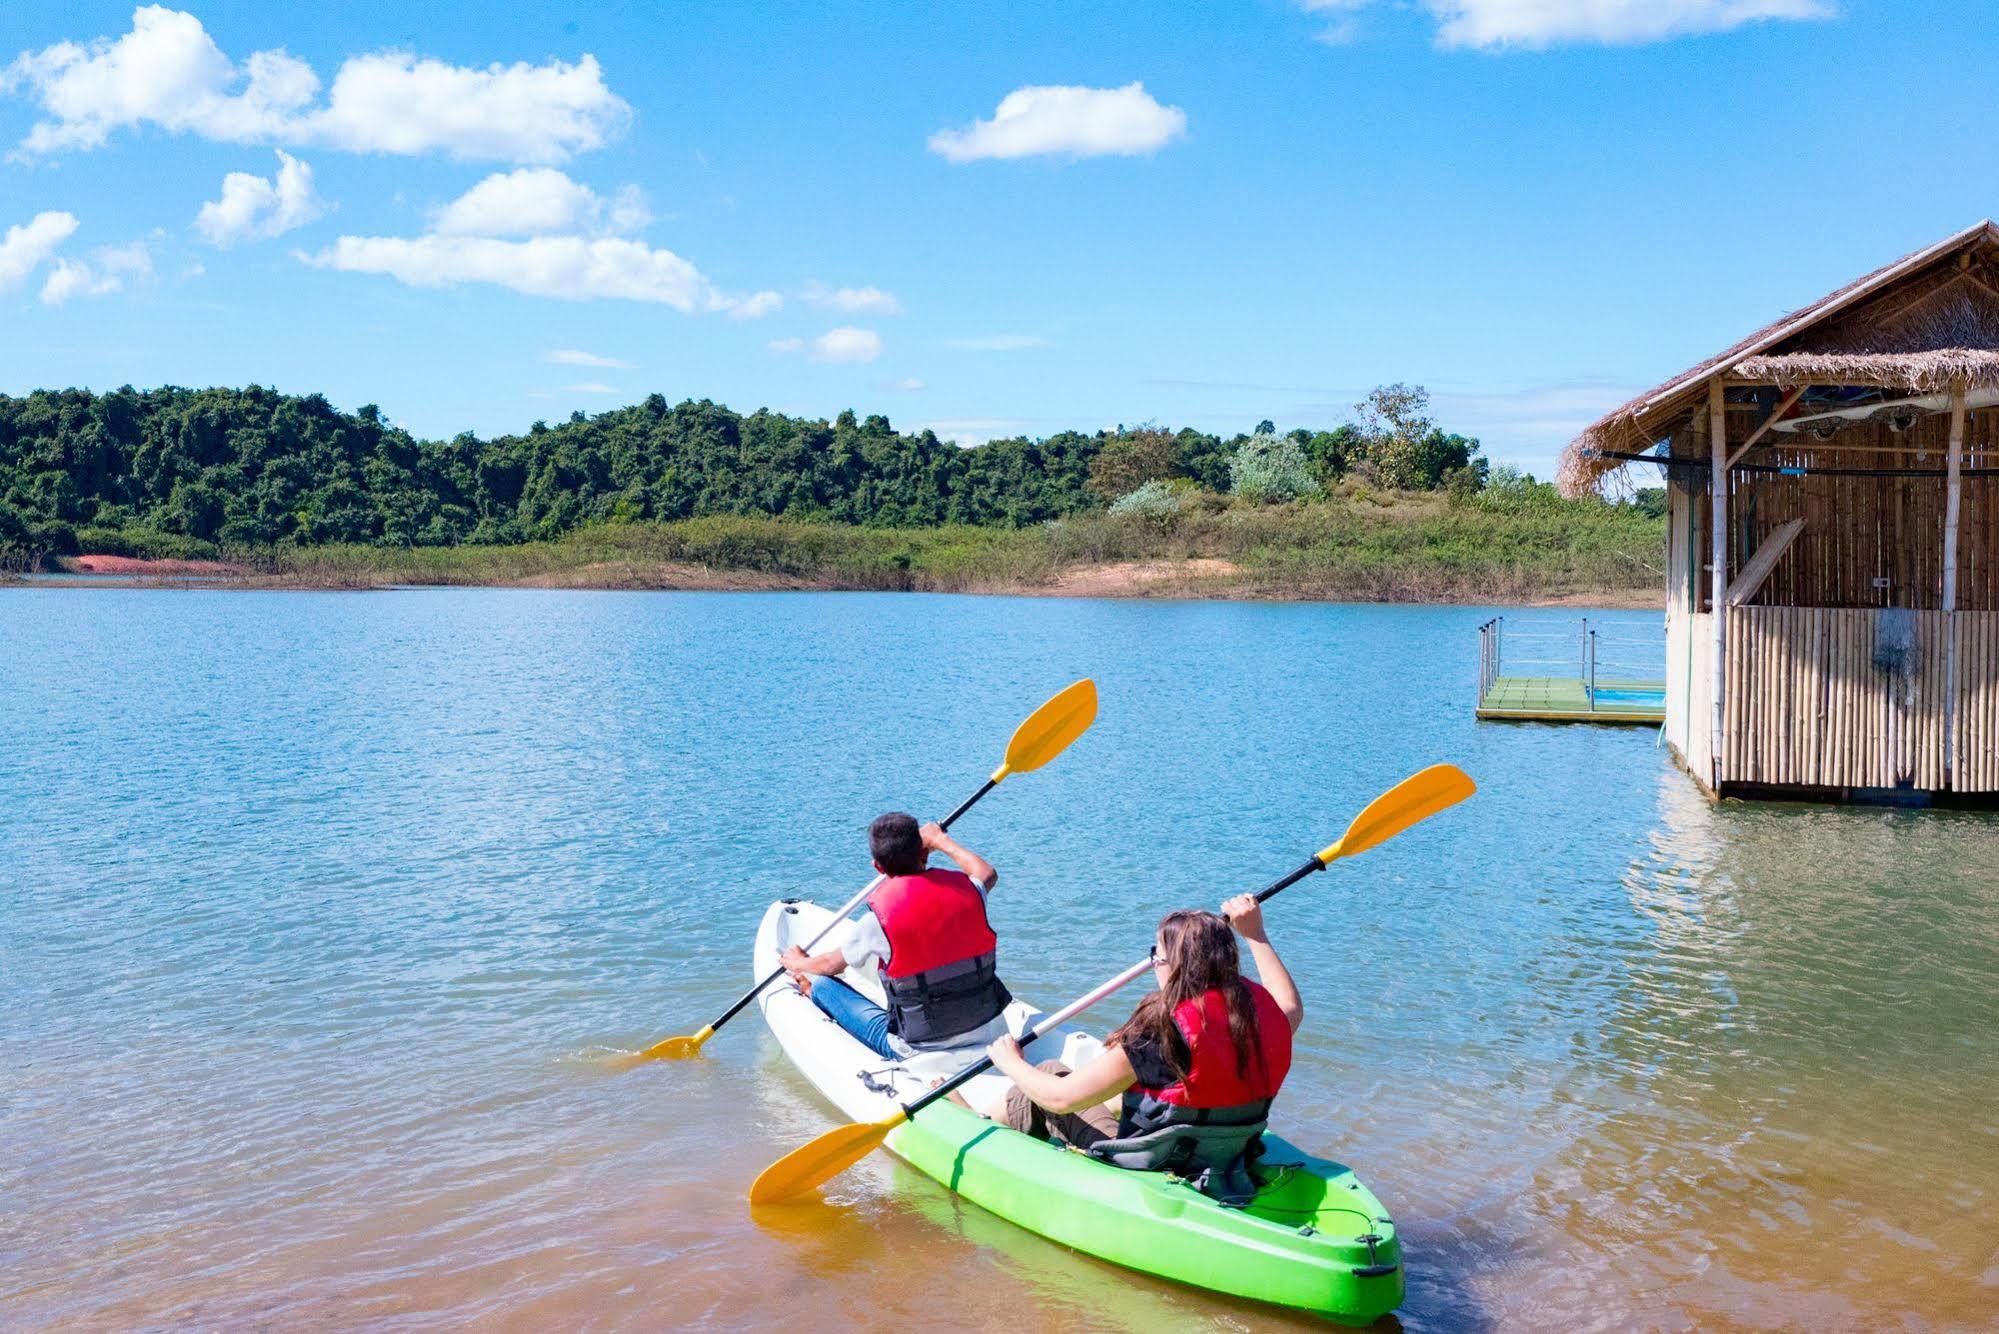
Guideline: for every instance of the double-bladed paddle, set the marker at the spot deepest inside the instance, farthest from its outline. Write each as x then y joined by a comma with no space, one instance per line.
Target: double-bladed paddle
1046,734
1409,802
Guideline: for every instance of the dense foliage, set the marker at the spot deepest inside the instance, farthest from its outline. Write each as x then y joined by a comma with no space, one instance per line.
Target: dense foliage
1512,545
176,472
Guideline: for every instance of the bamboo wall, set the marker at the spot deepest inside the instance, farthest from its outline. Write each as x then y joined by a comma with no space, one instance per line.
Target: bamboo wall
1807,706
1804,704
1862,529
1975,722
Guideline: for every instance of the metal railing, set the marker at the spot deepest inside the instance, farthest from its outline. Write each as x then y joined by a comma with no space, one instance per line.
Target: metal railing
1593,648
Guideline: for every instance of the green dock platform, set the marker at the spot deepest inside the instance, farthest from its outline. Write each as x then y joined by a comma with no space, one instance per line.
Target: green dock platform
1560,699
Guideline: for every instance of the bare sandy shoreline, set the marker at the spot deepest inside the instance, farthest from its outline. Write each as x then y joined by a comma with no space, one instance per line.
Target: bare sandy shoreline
1201,578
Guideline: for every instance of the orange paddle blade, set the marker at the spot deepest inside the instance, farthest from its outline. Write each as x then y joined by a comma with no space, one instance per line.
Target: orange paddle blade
813,1165
1409,802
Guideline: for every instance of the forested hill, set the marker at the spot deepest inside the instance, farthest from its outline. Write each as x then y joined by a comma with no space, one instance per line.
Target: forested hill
253,467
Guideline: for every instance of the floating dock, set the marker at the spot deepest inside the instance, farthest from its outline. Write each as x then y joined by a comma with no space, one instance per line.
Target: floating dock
1586,696
1559,699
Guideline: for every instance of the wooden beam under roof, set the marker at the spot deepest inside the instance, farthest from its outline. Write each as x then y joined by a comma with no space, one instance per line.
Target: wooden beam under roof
1790,400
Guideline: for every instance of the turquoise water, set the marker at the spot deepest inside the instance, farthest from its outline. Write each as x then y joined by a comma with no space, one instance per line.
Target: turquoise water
318,913
1650,698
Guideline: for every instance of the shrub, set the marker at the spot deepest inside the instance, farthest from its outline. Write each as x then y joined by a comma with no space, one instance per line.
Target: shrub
142,544
1508,488
1270,467
1158,503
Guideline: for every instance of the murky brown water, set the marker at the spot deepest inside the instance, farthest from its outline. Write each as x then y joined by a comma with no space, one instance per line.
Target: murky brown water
317,914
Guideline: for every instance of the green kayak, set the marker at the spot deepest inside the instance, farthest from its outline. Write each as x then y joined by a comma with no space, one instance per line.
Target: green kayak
1313,1239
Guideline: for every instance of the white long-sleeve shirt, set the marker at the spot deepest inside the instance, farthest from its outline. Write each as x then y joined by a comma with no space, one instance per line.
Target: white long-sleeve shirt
861,940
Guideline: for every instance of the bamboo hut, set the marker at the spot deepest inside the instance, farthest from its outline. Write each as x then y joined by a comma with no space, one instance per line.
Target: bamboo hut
1832,616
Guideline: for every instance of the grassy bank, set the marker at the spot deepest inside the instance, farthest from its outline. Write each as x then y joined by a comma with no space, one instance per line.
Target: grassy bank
1417,547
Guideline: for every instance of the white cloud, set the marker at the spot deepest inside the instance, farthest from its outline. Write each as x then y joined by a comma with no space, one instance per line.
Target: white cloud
167,71
569,356
569,268
561,250
29,245
252,207
1342,25
1534,24
752,307
396,103
1538,23
1079,122
539,201
785,344
909,385
847,343
590,387
105,272
853,300
996,343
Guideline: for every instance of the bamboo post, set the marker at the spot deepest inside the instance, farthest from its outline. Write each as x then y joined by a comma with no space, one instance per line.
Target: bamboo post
1717,415
1953,494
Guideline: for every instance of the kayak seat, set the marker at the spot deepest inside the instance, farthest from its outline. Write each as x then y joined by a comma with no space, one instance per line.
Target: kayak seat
1215,1157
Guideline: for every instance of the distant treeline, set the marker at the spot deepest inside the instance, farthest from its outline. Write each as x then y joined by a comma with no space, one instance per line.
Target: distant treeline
177,471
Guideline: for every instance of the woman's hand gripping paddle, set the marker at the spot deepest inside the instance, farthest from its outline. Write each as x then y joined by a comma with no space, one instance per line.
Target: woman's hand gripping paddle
1046,734
1409,802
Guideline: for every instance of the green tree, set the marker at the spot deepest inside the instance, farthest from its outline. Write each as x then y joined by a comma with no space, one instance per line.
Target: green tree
1130,459
1394,423
1403,448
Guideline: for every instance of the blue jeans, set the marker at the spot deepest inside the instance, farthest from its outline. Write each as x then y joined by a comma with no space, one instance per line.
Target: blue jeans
856,1013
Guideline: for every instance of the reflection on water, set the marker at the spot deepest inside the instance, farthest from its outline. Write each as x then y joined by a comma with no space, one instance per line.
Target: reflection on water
316,913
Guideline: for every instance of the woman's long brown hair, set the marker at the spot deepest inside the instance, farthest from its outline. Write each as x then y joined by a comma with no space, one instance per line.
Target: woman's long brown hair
1200,953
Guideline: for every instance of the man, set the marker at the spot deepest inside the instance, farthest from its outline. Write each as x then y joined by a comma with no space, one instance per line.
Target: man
928,930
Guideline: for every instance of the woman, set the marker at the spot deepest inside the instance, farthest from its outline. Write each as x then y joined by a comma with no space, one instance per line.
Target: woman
1187,1081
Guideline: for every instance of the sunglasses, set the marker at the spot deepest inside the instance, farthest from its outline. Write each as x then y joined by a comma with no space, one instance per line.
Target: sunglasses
1153,954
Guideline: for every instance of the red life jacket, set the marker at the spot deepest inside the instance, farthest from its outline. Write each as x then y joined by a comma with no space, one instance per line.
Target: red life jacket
931,919
941,974
1213,1078
1207,1125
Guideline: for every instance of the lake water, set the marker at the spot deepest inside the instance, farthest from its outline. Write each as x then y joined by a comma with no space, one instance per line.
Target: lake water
318,913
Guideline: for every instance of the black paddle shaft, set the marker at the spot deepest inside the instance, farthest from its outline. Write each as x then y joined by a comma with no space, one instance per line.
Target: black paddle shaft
985,1063
756,990
1279,886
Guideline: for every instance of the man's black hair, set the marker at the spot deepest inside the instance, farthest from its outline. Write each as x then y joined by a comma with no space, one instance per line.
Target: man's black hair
895,844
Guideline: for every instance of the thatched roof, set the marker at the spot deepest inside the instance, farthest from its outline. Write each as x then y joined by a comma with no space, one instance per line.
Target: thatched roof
1920,324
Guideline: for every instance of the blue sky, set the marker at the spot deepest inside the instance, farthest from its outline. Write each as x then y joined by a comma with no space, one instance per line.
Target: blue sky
1534,207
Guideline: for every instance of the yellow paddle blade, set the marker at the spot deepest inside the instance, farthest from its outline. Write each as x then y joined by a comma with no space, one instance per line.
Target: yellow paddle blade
677,1049
1411,801
666,1049
813,1165
1050,728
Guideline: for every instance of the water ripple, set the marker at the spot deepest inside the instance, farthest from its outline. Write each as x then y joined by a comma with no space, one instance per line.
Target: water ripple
316,913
